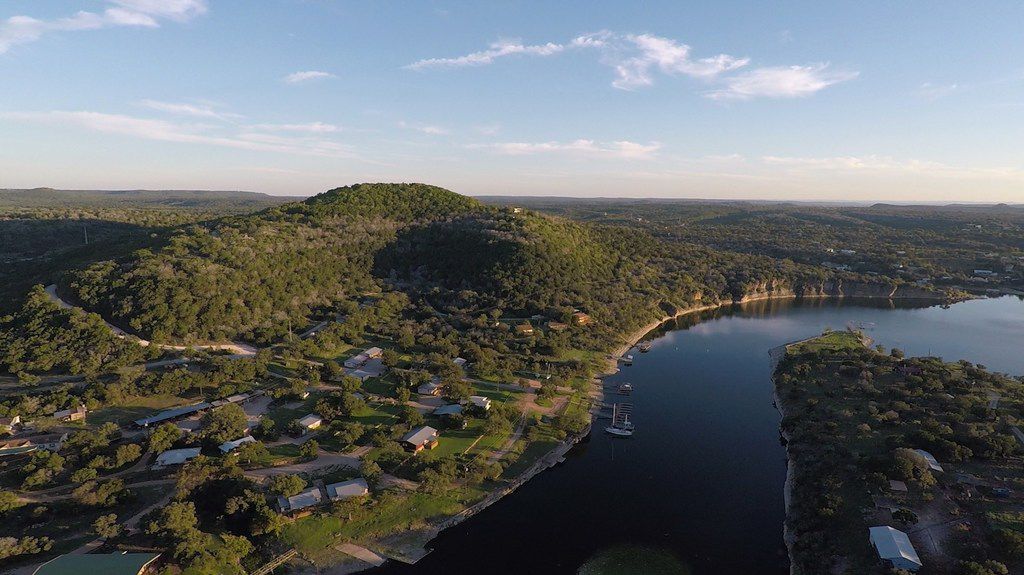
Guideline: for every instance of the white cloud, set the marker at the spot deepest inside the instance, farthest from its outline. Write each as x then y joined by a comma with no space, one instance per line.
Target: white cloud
424,128
931,91
306,76
197,110
887,164
617,149
780,82
311,128
496,50
139,13
638,58
165,131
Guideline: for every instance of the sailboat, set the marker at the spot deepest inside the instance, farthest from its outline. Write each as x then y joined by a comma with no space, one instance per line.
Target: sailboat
621,425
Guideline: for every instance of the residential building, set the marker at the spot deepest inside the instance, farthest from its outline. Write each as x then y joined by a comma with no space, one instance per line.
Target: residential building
421,438
8,424
310,422
432,387
347,489
50,442
176,456
308,498
101,563
480,401
524,329
450,409
893,547
933,464
76,414
580,318
229,446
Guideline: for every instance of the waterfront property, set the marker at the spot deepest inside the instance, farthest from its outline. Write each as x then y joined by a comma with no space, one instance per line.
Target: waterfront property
893,547
347,489
101,563
421,438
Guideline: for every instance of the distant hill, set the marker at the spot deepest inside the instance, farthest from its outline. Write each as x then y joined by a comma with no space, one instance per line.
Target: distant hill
213,201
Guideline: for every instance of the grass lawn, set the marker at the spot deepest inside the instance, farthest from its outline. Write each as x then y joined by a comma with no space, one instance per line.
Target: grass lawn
455,441
135,408
834,341
283,416
379,386
376,414
544,440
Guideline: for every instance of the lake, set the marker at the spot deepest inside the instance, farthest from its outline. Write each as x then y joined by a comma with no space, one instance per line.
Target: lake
698,488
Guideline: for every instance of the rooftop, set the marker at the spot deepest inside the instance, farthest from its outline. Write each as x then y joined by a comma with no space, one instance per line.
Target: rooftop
346,489
177,456
892,544
307,498
105,563
420,435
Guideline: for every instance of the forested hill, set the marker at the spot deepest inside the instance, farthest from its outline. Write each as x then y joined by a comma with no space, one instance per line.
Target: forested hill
208,201
249,276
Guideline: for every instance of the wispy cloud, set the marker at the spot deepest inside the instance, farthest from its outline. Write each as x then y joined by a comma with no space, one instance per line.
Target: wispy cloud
499,49
930,91
306,76
310,128
430,129
887,164
140,13
166,131
617,149
637,60
197,110
780,82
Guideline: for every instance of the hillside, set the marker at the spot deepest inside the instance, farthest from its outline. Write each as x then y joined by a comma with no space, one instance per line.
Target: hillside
219,201
246,276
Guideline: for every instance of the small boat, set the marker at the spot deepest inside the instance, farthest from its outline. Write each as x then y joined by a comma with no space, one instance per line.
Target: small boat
619,432
645,347
625,389
621,425
628,360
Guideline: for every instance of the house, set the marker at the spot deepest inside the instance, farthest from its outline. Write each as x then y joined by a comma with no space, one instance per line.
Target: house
480,401
310,422
347,489
229,446
421,438
450,409
432,387
557,326
459,361
373,352
894,547
356,360
7,424
307,498
897,486
176,456
169,414
933,464
76,414
580,318
105,563
49,442
524,329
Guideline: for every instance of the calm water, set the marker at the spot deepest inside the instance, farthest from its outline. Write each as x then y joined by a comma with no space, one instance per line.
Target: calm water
702,478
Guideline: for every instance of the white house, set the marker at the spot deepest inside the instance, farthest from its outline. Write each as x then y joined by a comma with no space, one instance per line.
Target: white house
176,456
307,498
894,547
310,422
347,489
932,463
229,446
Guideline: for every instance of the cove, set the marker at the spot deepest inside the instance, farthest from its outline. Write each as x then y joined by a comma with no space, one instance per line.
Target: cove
701,481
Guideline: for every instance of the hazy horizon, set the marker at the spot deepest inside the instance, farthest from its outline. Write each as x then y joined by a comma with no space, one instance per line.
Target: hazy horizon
859,103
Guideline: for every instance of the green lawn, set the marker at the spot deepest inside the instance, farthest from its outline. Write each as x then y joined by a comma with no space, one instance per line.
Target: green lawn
283,416
377,414
832,342
135,408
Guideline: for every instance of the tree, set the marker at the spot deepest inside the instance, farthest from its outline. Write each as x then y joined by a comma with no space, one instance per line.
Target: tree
266,430
13,547
309,450
371,471
8,501
163,437
224,423
286,484
107,527
411,416
252,451
127,453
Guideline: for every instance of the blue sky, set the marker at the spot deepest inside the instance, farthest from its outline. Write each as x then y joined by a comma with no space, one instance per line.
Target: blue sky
919,101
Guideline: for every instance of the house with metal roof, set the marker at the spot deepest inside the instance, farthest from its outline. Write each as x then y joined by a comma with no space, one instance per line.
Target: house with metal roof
308,498
420,438
894,547
229,446
450,409
176,456
50,442
310,422
346,489
169,414
77,414
933,464
480,401
432,387
105,563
